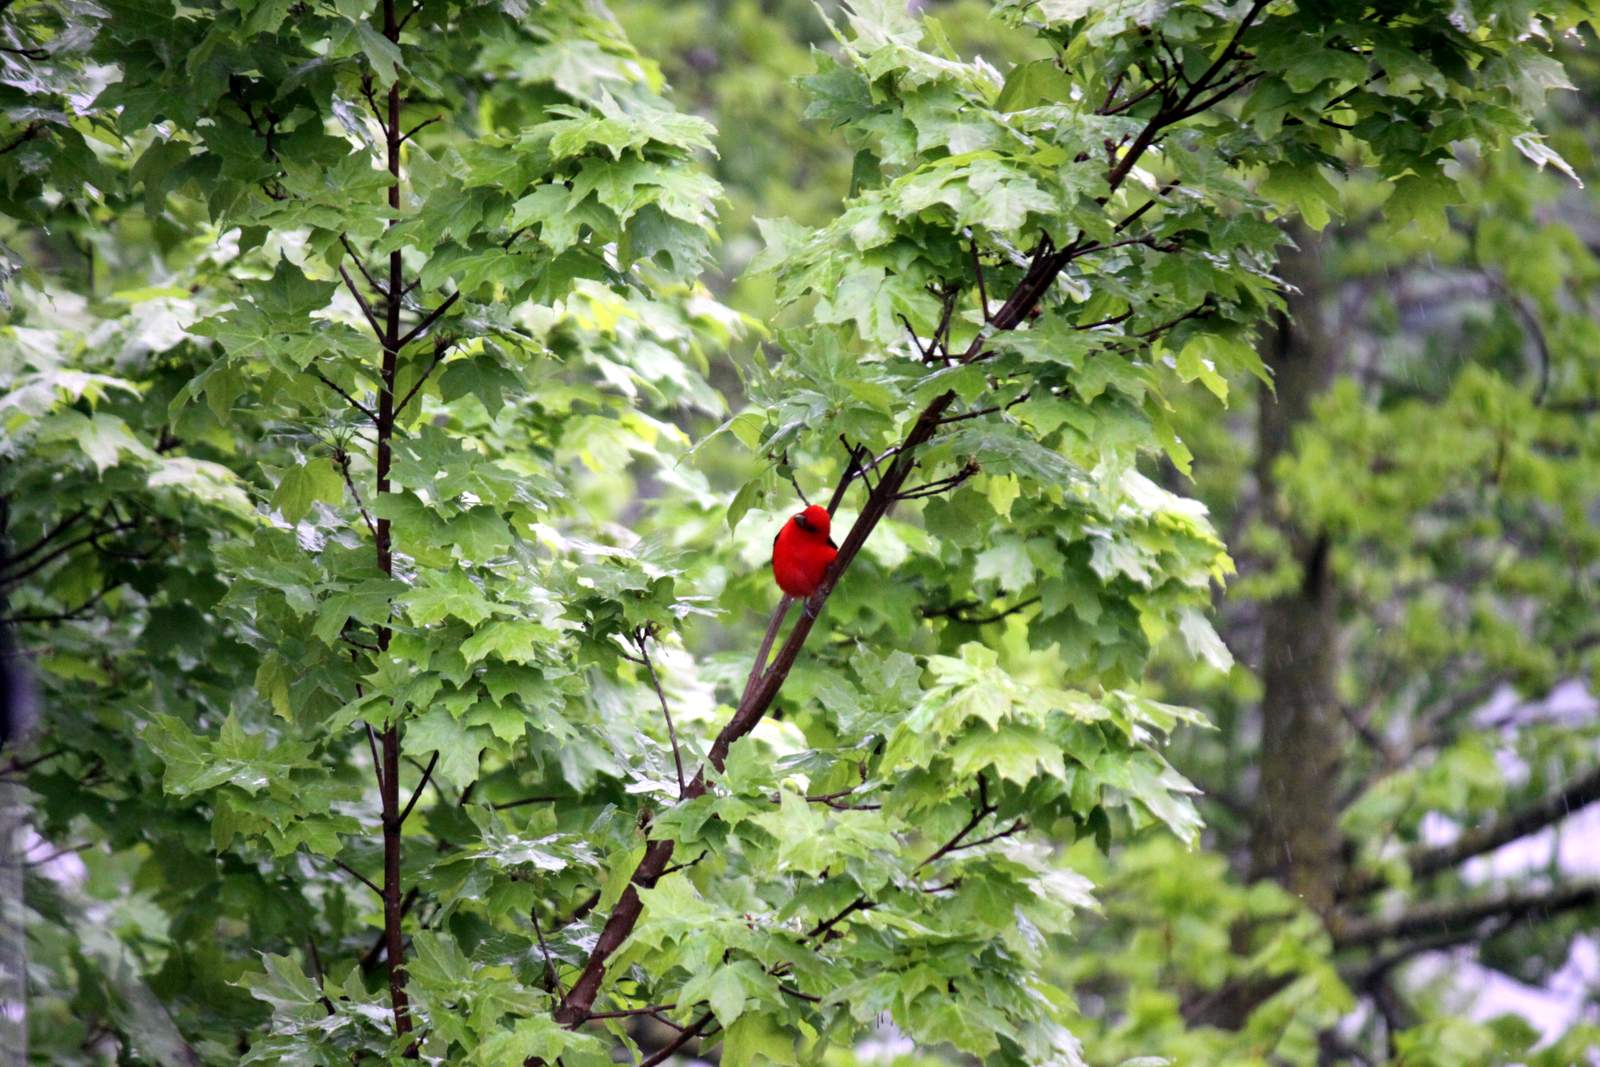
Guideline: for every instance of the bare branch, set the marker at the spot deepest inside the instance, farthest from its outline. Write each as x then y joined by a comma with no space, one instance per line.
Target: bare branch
916,341
342,458
1437,918
17,766
977,270
1426,862
629,1013
954,612
667,1051
50,535
352,872
947,420
552,980
939,485
64,616
1139,211
91,538
1142,94
440,349
366,308
1217,97
377,286
429,319
372,745
425,122
760,663
427,776
352,401
640,639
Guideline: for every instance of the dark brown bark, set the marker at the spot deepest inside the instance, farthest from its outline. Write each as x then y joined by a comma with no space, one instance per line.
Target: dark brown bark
389,782
1295,838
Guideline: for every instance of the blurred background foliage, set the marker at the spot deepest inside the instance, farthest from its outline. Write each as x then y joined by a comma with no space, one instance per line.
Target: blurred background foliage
1399,859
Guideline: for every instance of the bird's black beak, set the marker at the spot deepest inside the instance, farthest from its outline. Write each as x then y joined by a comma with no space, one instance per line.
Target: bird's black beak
802,522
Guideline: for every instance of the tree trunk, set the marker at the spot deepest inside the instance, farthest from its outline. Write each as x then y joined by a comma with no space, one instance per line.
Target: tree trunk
1295,838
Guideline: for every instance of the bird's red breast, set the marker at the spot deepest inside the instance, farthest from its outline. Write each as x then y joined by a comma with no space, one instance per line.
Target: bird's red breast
802,551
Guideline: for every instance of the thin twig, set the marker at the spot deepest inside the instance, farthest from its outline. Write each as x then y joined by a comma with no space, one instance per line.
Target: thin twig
357,875
429,319
796,483
977,273
1112,321
667,1051
372,744
317,971
628,1013
954,612
56,531
760,665
372,101
369,959
947,420
915,340
91,538
343,459
1217,97
427,776
439,352
1134,215
939,485
425,122
1015,828
640,638
552,979
57,854
525,801
1132,100
366,308
17,766
64,616
360,265
352,401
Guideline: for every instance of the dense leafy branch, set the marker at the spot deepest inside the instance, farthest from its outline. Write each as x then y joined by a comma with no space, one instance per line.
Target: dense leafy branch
1044,266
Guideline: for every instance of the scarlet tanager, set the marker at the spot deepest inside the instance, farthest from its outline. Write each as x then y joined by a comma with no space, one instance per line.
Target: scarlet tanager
802,551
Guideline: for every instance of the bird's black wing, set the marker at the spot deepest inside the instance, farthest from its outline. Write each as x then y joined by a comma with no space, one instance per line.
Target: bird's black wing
831,544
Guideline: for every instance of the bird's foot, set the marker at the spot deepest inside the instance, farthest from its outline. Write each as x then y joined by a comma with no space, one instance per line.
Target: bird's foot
810,606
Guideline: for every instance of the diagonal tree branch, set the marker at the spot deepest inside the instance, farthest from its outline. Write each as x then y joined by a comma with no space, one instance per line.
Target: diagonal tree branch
1429,920
427,776
429,319
377,286
1551,809
366,308
352,401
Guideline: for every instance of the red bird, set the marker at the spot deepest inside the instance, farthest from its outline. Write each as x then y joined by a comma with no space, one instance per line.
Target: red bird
802,551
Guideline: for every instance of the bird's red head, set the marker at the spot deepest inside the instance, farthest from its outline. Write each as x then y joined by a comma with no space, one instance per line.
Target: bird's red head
814,520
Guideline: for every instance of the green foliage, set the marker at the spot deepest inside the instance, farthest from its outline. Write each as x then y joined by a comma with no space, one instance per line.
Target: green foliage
363,349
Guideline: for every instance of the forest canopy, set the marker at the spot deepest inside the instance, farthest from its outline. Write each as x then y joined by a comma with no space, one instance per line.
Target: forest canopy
399,400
